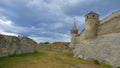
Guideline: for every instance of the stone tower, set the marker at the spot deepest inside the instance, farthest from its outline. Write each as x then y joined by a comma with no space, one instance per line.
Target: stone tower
91,24
74,34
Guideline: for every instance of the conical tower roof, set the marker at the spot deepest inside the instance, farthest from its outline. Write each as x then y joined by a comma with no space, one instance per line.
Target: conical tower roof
74,26
91,12
74,29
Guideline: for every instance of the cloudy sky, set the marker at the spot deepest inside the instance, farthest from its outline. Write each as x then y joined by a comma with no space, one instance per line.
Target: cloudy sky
49,20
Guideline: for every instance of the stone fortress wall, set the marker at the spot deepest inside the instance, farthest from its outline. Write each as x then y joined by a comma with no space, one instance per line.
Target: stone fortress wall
114,14
105,46
10,45
110,24
56,46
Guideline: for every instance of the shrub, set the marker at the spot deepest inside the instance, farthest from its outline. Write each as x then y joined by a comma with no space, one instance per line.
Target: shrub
96,62
66,45
118,67
44,43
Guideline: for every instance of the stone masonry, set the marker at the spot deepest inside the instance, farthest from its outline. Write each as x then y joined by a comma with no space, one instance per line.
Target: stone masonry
16,45
100,39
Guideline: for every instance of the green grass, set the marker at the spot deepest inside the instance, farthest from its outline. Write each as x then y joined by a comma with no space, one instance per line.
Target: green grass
47,59
118,67
96,62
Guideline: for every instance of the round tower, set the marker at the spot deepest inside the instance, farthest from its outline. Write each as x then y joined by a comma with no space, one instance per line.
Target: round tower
91,24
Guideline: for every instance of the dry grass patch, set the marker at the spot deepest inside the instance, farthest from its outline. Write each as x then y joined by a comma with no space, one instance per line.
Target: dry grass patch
47,59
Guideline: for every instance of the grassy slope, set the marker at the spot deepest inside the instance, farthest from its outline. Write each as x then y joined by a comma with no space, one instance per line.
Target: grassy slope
47,59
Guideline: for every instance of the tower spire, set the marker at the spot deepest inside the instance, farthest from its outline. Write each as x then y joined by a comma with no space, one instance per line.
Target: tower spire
74,26
74,30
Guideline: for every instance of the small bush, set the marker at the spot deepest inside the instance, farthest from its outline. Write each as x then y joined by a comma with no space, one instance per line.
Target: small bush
118,67
44,43
96,62
66,45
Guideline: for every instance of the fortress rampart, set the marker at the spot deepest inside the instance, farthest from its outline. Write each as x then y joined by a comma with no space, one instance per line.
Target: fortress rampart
115,14
110,24
10,45
95,27
99,39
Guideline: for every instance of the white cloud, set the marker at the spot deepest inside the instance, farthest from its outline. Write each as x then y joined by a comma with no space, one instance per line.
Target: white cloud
59,37
57,25
54,7
74,2
41,39
4,22
70,20
33,28
80,20
7,33
8,25
6,11
63,37
46,39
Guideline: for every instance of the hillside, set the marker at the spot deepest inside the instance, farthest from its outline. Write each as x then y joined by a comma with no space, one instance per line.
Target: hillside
47,59
55,46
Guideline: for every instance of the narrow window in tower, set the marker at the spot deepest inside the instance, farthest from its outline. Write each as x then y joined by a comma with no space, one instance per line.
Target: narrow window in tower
87,17
93,16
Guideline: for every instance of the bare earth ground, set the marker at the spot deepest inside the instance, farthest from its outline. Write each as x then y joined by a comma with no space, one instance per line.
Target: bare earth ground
47,59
